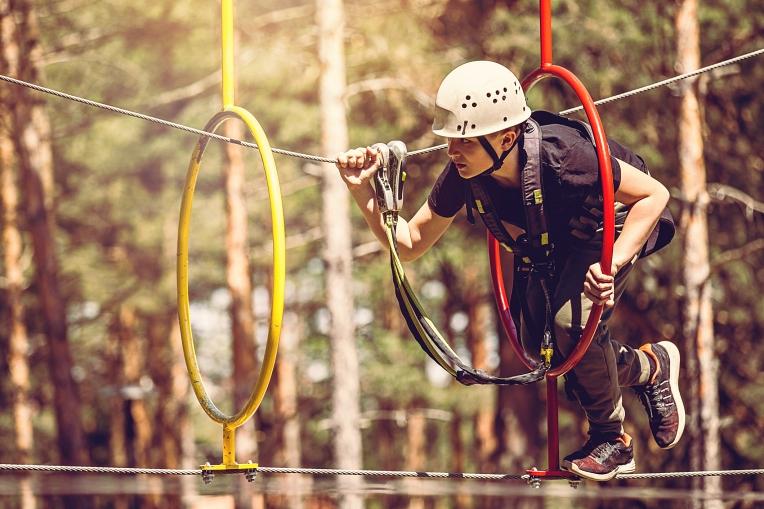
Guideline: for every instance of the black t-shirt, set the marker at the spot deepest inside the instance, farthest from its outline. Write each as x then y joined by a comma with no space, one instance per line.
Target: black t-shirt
571,186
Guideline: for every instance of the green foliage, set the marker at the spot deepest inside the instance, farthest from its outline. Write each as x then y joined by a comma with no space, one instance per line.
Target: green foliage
119,180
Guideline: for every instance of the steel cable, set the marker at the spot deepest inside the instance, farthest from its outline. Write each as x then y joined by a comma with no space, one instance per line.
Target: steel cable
6,467
315,158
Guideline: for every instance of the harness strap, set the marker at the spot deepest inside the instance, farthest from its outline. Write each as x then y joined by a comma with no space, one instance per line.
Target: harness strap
536,245
533,198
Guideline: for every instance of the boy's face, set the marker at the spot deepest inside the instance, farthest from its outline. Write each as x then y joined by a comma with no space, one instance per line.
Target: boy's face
470,157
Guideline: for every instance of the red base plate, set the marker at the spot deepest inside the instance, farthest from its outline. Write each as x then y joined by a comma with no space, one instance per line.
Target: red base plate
552,474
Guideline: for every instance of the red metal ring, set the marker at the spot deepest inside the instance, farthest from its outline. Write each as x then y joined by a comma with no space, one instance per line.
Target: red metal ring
608,236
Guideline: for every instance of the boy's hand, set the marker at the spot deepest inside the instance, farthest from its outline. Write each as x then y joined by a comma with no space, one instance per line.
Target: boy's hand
598,287
358,165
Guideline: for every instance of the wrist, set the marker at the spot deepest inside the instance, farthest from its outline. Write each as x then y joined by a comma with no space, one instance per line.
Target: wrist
361,188
620,261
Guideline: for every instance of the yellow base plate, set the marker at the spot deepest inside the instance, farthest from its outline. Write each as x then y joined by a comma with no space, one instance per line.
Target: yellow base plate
235,468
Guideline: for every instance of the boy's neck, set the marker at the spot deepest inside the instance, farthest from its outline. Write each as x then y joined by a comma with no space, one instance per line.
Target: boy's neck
509,173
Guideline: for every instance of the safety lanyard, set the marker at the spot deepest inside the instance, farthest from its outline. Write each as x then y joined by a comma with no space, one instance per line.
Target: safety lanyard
388,182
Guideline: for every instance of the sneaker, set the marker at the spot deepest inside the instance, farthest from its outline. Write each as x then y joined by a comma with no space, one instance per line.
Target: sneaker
661,397
600,460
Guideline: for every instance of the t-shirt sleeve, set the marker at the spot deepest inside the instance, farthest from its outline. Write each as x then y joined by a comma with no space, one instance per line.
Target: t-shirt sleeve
579,171
447,196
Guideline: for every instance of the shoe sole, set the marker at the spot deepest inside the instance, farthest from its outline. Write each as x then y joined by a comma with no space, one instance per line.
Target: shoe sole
673,353
620,469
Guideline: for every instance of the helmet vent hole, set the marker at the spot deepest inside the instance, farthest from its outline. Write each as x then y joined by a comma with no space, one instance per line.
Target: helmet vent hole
488,94
495,101
504,98
505,119
468,98
474,105
473,126
464,105
458,128
505,89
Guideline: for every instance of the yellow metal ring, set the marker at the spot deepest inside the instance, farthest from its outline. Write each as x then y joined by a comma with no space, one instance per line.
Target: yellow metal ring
231,422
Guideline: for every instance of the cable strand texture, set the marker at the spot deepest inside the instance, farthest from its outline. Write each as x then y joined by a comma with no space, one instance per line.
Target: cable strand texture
320,159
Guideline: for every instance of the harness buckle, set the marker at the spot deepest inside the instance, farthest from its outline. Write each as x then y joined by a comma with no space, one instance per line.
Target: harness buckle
547,347
545,267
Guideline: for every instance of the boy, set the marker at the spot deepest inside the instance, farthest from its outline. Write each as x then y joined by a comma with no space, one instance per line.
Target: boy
481,110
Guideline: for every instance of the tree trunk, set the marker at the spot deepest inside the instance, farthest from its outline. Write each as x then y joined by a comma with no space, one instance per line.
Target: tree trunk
131,423
698,313
285,401
338,248
245,360
173,438
31,128
117,415
134,357
244,346
168,373
461,500
18,341
478,314
415,448
18,366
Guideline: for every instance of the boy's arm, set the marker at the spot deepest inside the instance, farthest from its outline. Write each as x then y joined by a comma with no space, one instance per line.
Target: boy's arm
647,198
415,236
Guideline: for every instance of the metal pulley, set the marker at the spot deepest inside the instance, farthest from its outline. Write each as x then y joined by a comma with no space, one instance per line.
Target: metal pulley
391,176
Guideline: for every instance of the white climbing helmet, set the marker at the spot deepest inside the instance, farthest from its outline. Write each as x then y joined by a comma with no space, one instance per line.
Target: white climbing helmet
479,98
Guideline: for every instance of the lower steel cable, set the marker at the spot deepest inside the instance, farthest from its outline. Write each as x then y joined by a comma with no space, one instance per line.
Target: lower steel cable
71,469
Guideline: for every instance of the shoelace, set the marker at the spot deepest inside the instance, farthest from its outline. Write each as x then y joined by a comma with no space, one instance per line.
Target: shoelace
603,451
658,397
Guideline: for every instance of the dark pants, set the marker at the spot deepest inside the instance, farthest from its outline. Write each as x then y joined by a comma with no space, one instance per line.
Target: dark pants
607,365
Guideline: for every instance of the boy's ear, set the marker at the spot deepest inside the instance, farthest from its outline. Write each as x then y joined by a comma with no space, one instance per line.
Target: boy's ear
509,137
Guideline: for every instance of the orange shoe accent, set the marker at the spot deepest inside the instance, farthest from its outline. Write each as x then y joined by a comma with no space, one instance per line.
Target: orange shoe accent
648,349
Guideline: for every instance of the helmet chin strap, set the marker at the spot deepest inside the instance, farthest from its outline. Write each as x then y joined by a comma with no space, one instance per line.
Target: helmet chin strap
498,160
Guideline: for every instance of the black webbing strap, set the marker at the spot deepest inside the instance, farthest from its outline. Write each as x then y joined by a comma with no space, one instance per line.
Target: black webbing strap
487,211
533,198
535,246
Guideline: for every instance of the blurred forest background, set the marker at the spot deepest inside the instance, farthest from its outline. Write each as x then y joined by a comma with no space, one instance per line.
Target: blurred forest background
90,352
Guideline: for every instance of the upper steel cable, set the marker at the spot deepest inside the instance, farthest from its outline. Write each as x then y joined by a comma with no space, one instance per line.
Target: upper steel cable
157,120
309,157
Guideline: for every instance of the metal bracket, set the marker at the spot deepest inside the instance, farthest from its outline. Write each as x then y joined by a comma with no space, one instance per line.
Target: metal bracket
249,470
